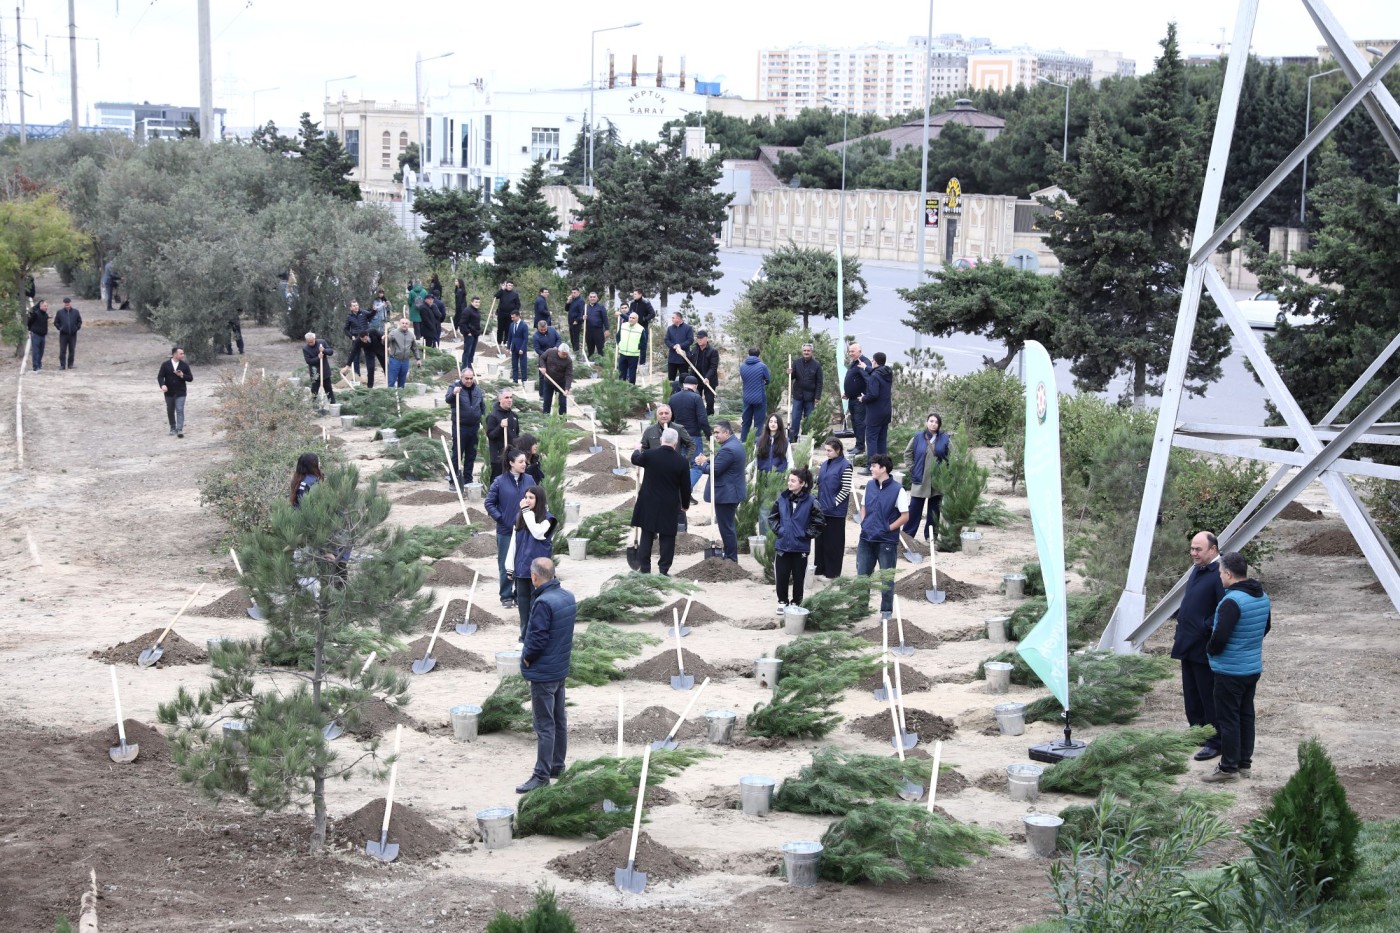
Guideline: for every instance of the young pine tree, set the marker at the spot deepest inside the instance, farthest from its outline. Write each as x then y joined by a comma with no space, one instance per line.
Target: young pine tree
1311,812
331,614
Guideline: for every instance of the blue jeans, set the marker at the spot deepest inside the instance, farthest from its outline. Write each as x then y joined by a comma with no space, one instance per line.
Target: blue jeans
36,351
507,585
398,373
469,351
800,410
755,415
695,472
726,516
519,366
868,553
551,727
1234,713
627,367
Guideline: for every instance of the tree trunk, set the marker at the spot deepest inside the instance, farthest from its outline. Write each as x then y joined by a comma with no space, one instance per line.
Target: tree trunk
318,676
1139,385
807,321
1005,361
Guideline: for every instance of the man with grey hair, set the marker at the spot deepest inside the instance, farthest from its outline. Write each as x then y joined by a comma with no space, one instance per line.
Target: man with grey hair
544,663
851,390
664,495
651,437
317,354
556,377
806,375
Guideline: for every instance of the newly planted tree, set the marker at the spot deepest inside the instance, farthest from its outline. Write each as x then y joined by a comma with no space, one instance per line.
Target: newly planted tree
838,782
330,614
884,841
997,301
962,481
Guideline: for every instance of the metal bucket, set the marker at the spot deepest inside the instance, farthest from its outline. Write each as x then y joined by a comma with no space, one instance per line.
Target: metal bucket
497,825
996,630
720,723
573,512
971,542
507,663
756,794
333,410
474,492
1015,584
1023,781
347,421
212,645
493,366
236,736
419,388
1042,833
464,721
388,434
294,380
794,620
757,545
578,548
766,671
998,676
801,863
811,581
1011,718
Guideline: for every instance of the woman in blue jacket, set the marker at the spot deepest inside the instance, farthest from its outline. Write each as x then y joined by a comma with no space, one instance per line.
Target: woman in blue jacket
924,452
770,451
796,520
833,499
533,537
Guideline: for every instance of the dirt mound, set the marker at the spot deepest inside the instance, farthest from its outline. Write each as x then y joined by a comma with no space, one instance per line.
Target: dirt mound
428,497
449,656
603,484
910,680
713,570
153,745
377,717
1373,791
914,585
687,543
418,839
599,462
482,545
650,725
177,650
600,860
760,743
928,725
1337,542
700,614
477,517
451,573
626,506
663,667
1295,512
456,610
232,605
914,637
994,781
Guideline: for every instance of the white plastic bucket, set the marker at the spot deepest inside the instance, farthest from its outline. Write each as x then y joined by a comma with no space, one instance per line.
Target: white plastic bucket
474,492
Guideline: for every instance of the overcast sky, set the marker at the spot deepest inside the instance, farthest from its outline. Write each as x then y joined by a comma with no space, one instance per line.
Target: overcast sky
135,50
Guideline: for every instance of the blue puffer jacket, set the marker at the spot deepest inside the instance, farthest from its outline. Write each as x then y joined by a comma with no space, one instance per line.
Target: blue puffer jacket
528,547
503,499
881,509
1238,650
549,637
796,520
753,372
877,394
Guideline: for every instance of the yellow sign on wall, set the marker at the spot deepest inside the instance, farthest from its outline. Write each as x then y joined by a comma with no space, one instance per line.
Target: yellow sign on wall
954,194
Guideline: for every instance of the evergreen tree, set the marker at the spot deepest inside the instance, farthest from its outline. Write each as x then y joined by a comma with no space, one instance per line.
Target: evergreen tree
331,616
690,216
572,170
1121,238
454,223
523,226
1312,813
992,300
802,280
270,140
408,159
326,161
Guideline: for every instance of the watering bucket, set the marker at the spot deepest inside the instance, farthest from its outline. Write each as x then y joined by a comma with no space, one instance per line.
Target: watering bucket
347,421
765,671
573,512
294,380
464,720
1015,584
578,548
236,735
1042,832
757,545
721,725
388,434
756,794
998,676
507,663
492,367
333,410
419,388
474,492
1011,718
996,630
971,542
496,824
1023,781
794,620
800,863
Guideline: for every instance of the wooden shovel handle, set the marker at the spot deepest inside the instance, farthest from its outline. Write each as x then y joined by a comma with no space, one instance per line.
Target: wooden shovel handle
437,630
894,716
686,712
193,597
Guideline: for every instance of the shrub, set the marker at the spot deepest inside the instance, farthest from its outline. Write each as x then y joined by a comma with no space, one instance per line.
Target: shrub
985,403
885,841
420,458
260,411
1272,891
1085,420
1207,493
1312,814
1158,813
604,531
572,805
847,656
843,602
614,400
504,710
920,381
1125,762
627,597
554,441
414,421
544,917
836,782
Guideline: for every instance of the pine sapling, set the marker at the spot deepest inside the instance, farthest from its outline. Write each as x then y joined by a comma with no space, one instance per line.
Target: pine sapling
546,916
836,782
1312,814
1126,761
504,710
604,531
843,602
572,805
850,658
1104,687
817,670
554,440
627,597
418,458
962,482
597,647
884,841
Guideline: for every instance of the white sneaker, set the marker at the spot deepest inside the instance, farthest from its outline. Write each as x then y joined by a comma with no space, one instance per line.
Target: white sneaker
782,608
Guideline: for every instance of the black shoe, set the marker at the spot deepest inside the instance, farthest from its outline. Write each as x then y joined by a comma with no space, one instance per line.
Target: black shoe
533,784
555,772
179,433
1206,753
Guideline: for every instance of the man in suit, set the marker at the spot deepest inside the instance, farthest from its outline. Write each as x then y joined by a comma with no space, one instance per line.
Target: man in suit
67,322
680,337
595,325
173,376
664,495
518,343
573,312
730,488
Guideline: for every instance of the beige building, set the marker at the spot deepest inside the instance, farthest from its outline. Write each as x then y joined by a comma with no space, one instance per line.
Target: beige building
1324,54
881,79
374,134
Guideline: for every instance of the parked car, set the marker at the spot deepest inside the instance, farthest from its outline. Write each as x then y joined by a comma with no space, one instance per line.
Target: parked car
1263,311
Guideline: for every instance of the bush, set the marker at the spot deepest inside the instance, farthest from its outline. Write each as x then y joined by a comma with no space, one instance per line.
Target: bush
572,805
1272,891
1382,497
843,602
962,482
920,381
985,403
627,597
554,441
1104,688
614,400
1126,762
1085,420
420,458
544,917
836,782
261,411
1157,813
1207,493
1312,814
504,710
432,541
597,647
604,532
885,841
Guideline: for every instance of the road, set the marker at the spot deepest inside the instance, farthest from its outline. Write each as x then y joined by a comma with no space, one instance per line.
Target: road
1235,399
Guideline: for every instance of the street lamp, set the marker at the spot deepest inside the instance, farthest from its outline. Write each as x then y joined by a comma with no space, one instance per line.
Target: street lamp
1307,128
592,84
261,90
1064,152
418,99
330,81
840,246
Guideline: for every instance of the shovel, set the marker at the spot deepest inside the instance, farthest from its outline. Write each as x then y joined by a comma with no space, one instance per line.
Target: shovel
456,486
933,594
669,742
910,738
597,448
384,850
908,790
634,560
685,629
154,653
254,612
426,663
681,681
629,879
122,754
608,805
901,650
933,778
881,694
911,555
335,728
619,470
467,626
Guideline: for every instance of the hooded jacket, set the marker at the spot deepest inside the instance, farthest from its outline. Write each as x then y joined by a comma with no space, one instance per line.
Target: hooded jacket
754,374
1242,620
878,382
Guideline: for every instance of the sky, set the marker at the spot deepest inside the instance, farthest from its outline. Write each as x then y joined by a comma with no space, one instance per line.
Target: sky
146,50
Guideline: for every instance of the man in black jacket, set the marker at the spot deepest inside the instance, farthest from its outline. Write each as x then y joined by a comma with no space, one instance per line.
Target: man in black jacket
544,338
852,388
507,301
806,375
67,322
317,355
688,411
680,336
468,404
468,324
1194,620
664,495
172,377
645,315
502,427
595,326
38,325
358,330
434,313
542,307
573,313
705,358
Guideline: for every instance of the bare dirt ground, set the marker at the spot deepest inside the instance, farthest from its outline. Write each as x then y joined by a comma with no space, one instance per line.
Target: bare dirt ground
104,538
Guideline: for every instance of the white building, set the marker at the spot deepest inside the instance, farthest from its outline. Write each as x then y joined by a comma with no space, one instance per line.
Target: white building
1108,64
146,120
883,79
374,134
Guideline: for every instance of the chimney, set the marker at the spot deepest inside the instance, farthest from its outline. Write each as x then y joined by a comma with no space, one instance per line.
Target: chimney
682,72
634,71
612,71
660,76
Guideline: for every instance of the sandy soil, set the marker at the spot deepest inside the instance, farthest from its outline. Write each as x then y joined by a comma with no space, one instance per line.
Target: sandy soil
105,538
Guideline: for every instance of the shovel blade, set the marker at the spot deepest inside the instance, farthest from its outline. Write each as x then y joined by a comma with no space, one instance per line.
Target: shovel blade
333,730
663,745
685,629
902,651
150,656
595,450
633,559
609,806
124,754
907,739
466,628
911,791
914,557
683,682
935,596
621,471
424,665
384,851
255,613
883,696
630,880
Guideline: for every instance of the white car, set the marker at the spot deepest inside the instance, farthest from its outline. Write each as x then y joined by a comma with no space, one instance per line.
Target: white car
1263,311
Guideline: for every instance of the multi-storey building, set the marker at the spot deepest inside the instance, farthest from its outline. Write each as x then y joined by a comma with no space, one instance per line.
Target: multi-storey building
374,134
146,120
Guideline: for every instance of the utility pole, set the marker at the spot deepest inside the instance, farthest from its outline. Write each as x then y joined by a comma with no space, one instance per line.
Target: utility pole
19,45
206,76
73,65
923,172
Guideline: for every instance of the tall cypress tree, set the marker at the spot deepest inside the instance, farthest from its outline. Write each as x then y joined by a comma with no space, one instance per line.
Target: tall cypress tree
523,226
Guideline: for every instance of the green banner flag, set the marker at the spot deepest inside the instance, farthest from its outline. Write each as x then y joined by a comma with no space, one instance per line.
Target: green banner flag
1046,647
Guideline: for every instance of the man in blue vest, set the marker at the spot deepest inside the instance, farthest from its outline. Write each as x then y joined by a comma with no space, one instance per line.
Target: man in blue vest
544,662
1193,621
883,512
1236,650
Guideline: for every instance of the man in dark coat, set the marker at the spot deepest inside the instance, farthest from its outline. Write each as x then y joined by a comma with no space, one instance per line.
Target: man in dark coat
544,338
852,388
680,336
879,380
573,312
1194,619
729,486
664,495
544,663
542,307
688,411
357,328
806,373
37,323
434,313
595,325
507,301
468,324
468,404
317,355
67,322
651,437
172,377
502,428
705,357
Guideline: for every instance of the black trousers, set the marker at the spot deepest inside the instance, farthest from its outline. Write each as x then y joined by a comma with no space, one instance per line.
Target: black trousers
575,335
917,507
466,466
675,370
1234,708
66,344
668,551
790,568
709,400
1198,692
858,424
830,547
502,325
593,341
321,378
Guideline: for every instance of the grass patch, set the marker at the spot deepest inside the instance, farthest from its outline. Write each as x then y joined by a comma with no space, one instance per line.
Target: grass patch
1369,903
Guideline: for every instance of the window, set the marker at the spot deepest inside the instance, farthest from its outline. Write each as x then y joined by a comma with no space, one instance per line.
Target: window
403,140
486,140
352,146
544,143
384,150
465,140
427,154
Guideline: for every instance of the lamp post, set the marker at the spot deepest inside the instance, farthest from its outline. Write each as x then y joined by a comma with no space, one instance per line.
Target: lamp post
1307,128
840,247
261,90
418,100
1064,151
592,84
329,81
923,170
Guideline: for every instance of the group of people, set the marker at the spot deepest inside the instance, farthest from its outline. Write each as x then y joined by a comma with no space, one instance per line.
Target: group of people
67,322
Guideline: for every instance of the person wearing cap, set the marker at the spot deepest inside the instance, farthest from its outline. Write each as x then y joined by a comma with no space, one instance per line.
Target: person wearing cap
67,322
679,338
556,363
705,358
